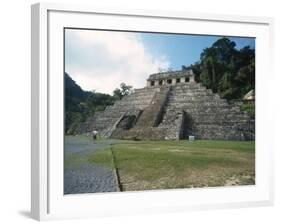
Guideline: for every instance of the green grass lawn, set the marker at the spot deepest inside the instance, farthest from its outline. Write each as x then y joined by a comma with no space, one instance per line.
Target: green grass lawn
147,165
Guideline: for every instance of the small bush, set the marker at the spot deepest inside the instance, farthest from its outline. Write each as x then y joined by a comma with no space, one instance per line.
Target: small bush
250,108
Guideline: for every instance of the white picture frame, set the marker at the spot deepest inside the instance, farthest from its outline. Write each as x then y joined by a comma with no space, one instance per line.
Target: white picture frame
48,201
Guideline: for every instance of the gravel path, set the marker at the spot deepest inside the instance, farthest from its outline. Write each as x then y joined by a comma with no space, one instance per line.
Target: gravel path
87,177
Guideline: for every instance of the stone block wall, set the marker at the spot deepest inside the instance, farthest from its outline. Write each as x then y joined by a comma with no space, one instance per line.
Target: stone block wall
209,116
104,121
173,112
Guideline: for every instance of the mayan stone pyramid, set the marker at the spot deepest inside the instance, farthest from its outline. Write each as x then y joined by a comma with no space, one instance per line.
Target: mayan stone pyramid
172,106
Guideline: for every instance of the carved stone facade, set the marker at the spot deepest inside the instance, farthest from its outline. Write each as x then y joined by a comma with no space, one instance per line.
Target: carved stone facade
172,106
170,78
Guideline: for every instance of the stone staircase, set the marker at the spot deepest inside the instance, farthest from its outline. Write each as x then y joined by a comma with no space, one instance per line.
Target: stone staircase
147,122
172,112
104,121
206,115
152,114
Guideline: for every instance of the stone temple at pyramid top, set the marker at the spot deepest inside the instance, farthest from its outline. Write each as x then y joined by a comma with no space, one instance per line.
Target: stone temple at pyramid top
170,78
173,106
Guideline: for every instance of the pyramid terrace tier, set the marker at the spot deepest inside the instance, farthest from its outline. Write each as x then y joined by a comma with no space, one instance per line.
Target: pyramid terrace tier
173,111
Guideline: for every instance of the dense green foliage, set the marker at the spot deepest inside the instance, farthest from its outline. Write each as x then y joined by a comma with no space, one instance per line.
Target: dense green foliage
80,104
250,108
74,95
225,69
123,91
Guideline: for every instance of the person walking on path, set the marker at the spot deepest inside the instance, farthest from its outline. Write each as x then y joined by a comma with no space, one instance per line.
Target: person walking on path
95,133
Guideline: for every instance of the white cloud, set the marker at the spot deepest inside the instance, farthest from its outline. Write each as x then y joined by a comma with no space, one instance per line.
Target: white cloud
101,60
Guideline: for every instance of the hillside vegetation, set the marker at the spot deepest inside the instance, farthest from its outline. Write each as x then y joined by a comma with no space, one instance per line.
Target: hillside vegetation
80,104
225,69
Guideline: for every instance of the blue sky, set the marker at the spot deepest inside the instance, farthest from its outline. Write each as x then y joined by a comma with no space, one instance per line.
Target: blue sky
101,60
183,49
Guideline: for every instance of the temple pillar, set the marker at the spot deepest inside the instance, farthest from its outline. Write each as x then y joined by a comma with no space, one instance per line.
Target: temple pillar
191,78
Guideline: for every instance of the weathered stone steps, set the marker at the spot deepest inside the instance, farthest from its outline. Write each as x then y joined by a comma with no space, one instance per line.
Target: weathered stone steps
218,131
190,94
153,113
206,110
207,115
135,103
200,100
139,99
218,119
192,105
